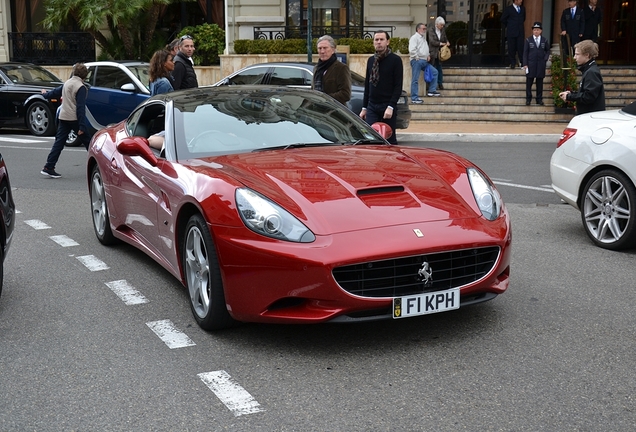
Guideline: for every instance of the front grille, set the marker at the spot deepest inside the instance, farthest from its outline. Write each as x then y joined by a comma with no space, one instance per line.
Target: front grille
399,277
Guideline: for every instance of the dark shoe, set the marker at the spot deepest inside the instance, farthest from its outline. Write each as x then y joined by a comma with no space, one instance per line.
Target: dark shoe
440,86
540,103
50,172
527,102
433,94
512,66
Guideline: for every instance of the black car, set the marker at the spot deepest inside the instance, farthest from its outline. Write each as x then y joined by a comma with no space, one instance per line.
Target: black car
300,75
21,101
7,216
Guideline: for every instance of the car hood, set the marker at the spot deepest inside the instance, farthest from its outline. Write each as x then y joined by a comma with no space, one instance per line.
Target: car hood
337,189
36,88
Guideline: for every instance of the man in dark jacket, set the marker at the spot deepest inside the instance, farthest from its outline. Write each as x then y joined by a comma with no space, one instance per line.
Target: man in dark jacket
572,23
593,18
382,84
536,52
591,94
183,74
331,76
513,18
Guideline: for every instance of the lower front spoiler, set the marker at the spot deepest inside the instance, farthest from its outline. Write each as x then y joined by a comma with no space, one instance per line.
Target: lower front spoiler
383,314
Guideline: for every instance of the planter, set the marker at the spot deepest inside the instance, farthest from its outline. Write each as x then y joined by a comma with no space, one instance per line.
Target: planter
563,110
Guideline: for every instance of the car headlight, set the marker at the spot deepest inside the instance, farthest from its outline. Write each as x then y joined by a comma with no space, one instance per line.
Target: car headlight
269,219
487,197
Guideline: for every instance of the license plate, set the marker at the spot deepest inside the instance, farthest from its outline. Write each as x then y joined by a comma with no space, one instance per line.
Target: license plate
423,304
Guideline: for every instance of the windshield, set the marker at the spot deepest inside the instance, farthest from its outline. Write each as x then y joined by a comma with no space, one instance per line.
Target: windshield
232,120
29,74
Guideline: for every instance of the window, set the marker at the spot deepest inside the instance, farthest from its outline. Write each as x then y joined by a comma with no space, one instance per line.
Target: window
289,76
253,75
111,77
337,18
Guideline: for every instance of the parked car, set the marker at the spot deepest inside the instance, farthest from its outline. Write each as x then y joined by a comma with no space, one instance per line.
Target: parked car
278,204
594,170
116,88
300,75
21,102
7,215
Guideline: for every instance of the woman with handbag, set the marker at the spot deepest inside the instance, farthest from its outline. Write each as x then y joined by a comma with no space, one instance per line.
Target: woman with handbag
436,40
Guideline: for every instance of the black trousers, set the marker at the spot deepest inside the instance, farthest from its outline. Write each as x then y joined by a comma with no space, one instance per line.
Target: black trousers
515,47
529,82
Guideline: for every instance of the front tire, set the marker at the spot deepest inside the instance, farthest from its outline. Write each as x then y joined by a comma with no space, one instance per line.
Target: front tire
39,119
203,277
99,209
608,210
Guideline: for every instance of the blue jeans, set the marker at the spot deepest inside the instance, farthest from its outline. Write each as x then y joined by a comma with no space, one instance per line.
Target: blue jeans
418,66
440,74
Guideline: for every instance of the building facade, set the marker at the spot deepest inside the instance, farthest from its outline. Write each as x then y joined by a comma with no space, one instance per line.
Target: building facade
472,25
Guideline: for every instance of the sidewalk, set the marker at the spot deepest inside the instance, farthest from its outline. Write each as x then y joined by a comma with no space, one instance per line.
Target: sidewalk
482,131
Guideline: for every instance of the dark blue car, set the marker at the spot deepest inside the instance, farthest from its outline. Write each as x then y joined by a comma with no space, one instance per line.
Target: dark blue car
116,88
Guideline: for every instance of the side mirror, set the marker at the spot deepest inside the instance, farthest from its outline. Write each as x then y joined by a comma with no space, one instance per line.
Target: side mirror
383,129
129,87
137,146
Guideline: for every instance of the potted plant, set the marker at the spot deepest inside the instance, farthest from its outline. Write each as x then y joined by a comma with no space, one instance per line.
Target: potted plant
563,79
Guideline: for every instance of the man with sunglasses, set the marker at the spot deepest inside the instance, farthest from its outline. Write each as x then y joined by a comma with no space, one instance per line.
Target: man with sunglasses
183,74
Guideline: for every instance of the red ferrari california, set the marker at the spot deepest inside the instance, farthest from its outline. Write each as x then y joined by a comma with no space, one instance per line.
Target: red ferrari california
279,205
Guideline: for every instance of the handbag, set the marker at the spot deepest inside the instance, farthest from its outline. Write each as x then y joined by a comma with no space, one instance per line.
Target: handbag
444,53
428,73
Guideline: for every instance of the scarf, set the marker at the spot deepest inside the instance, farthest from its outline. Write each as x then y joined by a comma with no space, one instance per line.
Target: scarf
321,68
375,69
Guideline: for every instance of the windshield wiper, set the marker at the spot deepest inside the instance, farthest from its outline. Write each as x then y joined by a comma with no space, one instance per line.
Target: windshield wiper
367,141
297,145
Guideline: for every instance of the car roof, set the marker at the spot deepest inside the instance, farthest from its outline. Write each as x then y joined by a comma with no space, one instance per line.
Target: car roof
117,63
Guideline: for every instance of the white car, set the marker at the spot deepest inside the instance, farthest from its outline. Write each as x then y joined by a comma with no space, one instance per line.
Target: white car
594,170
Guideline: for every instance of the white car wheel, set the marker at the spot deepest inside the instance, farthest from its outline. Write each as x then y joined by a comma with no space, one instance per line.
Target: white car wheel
607,210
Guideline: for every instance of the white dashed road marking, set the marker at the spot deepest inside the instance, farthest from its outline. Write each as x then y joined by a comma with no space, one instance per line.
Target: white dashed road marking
524,186
36,224
233,396
169,334
92,263
126,292
64,241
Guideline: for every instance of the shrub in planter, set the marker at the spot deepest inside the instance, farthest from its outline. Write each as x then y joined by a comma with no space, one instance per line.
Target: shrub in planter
209,43
559,81
299,46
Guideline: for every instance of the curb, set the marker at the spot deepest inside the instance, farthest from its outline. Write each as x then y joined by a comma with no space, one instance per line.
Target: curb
472,137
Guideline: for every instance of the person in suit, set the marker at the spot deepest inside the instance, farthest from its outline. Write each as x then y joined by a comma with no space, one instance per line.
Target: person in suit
512,19
572,24
591,94
593,18
536,52
436,40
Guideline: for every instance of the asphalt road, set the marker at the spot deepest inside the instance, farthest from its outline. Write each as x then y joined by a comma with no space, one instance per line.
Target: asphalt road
555,352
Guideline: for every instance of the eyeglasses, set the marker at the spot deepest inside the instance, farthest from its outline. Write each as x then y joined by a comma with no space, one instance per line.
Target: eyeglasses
184,37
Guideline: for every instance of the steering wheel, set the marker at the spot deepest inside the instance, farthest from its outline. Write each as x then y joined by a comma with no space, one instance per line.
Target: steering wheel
205,141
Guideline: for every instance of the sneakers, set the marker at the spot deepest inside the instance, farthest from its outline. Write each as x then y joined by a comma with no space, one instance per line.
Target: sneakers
50,172
417,101
433,94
